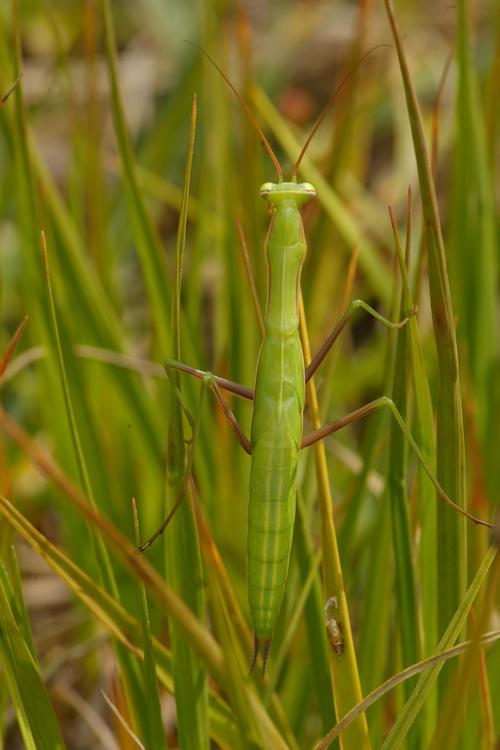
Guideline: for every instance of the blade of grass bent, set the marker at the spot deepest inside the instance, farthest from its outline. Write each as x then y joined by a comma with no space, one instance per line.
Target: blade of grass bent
343,672
399,678
450,434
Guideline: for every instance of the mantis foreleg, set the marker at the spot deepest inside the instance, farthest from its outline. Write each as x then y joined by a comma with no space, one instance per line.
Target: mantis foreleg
216,383
228,413
339,327
207,381
227,385
374,406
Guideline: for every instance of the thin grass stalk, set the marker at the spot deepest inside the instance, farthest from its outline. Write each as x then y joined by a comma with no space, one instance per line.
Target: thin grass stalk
101,552
21,610
424,433
314,616
406,598
344,674
400,678
154,732
183,568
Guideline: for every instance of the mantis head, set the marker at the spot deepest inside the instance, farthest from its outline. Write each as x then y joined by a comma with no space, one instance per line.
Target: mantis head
276,192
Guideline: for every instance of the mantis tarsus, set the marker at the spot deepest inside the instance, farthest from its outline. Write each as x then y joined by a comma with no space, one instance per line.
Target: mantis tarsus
278,400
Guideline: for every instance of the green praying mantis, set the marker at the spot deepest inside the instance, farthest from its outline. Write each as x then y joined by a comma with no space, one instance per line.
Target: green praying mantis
278,400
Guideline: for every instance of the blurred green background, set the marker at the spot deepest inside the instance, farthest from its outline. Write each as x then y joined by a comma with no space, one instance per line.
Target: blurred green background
108,200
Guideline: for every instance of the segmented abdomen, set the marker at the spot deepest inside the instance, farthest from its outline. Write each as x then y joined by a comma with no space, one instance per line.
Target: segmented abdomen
271,516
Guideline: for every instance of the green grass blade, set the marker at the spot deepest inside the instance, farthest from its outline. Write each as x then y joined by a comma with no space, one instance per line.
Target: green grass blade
406,595
116,619
128,668
424,434
19,604
183,568
34,711
450,434
148,244
426,680
401,677
344,673
314,617
155,733
90,299
474,262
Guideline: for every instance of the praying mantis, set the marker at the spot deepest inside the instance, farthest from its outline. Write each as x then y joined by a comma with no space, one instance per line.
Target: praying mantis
278,399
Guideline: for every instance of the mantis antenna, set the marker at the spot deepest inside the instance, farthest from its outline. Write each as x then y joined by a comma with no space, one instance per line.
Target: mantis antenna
328,107
247,109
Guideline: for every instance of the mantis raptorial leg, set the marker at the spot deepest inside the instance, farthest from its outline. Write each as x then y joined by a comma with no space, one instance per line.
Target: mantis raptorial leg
195,427
207,381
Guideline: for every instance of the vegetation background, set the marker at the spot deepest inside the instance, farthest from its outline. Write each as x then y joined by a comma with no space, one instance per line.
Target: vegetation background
94,144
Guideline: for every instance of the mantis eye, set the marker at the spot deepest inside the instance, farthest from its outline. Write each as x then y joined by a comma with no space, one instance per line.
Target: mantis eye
309,189
266,189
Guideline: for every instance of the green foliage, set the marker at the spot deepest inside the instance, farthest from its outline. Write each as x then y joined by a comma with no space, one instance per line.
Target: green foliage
97,150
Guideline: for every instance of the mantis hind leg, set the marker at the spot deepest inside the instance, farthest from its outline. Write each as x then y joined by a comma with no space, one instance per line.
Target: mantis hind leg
341,324
373,406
